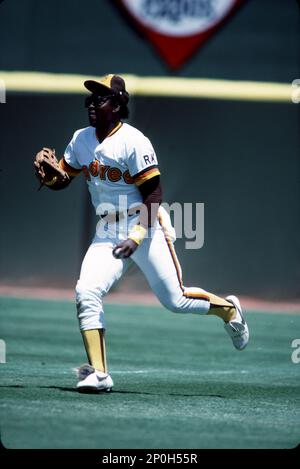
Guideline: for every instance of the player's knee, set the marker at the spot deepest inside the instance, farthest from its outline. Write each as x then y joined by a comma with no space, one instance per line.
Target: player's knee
173,304
89,307
170,298
86,294
177,308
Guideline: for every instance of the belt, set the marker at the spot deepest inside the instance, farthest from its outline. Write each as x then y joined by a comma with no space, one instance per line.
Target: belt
115,217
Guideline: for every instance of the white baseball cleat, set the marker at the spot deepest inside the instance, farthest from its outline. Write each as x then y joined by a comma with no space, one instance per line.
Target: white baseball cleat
91,380
237,328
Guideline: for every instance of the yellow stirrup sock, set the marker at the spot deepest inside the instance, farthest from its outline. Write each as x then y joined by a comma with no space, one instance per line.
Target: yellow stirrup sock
221,308
94,344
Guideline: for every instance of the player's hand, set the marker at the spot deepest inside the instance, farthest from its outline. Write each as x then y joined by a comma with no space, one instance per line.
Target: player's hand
124,249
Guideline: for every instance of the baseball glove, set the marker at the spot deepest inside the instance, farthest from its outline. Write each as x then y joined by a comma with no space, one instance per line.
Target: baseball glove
47,169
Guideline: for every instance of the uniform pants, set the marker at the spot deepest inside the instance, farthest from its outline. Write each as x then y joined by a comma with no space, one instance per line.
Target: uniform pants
155,257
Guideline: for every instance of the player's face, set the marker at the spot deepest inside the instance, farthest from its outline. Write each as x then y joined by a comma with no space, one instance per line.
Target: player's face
99,109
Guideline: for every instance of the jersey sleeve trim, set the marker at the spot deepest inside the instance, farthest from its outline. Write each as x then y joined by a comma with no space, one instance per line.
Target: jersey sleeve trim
68,169
146,174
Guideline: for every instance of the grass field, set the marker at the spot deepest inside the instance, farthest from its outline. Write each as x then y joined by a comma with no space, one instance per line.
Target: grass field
178,381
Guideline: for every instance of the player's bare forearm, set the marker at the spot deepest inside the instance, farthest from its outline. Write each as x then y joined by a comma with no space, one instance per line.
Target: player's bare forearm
152,197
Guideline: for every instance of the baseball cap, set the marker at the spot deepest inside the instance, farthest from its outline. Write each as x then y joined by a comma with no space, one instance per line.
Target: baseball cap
109,84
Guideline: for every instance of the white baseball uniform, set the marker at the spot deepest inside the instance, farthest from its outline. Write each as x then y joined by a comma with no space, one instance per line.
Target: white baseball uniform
114,169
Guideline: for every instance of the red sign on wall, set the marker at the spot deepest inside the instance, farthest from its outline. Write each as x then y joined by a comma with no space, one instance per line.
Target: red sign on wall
177,28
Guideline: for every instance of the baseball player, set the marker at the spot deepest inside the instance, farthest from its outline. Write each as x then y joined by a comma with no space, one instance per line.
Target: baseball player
123,177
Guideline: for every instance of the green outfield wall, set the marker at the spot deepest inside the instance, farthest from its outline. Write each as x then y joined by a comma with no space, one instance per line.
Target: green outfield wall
240,159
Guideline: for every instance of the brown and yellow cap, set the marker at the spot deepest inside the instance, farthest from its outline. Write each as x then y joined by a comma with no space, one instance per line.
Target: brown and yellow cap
109,84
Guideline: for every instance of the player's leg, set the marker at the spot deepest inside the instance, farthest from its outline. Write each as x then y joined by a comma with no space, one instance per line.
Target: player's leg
221,307
94,343
99,271
164,276
157,259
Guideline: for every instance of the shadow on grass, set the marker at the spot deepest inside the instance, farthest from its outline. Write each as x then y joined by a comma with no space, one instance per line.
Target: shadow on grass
226,390
140,393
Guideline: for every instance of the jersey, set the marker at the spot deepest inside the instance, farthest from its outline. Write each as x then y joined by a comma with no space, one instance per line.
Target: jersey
113,168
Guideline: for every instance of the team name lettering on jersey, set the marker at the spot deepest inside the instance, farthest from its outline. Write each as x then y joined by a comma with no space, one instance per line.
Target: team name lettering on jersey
105,172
